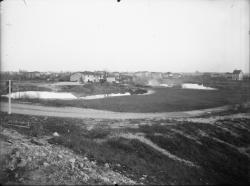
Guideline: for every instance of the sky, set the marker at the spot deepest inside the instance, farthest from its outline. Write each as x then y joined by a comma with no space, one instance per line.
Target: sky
132,35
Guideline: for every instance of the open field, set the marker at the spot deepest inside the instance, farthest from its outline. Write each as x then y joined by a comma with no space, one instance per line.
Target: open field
163,100
93,89
148,151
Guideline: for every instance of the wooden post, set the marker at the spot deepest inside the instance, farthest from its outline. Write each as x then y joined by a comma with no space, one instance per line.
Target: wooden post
9,111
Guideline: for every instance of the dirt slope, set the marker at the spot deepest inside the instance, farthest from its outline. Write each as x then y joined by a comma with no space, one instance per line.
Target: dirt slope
34,161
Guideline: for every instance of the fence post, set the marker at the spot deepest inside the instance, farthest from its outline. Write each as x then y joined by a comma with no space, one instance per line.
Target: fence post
9,111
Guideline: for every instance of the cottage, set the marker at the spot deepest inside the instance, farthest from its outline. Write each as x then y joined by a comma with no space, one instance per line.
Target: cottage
89,77
216,75
126,79
237,75
32,75
167,75
116,74
228,75
142,74
156,75
111,79
78,76
86,77
176,75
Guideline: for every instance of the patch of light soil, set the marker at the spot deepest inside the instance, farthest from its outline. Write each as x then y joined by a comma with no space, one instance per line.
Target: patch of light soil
48,164
64,95
196,86
41,95
101,96
166,85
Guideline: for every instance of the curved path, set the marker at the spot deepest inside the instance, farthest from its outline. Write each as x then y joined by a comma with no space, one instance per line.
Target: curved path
73,112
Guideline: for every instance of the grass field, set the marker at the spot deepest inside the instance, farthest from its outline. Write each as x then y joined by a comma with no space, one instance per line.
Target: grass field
163,100
92,89
213,149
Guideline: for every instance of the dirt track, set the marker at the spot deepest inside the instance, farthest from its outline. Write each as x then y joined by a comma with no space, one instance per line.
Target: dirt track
92,113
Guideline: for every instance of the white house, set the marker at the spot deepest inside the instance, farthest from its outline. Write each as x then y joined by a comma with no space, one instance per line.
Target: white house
86,77
76,76
237,75
111,79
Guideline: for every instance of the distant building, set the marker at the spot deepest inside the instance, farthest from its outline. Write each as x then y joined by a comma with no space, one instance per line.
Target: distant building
156,75
127,73
111,79
237,75
125,79
228,75
86,77
167,75
32,75
215,75
116,74
90,77
76,76
142,74
176,75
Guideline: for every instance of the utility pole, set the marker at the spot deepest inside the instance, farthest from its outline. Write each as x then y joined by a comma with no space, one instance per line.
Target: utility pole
249,45
9,111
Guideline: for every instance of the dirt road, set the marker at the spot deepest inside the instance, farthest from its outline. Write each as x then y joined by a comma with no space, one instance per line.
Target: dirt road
74,112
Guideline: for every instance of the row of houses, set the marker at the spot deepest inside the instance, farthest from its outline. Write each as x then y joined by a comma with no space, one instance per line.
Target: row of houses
112,77
53,76
123,77
157,75
85,77
235,75
101,76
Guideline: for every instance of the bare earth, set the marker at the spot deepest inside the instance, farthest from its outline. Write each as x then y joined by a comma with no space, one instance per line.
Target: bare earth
33,160
61,166
73,112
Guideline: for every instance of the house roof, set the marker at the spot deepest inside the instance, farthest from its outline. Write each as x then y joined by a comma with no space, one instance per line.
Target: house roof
237,71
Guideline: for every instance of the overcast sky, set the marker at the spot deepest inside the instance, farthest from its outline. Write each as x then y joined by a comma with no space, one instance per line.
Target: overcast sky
133,35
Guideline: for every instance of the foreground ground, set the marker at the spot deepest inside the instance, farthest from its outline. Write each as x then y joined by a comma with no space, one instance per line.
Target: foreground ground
208,149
